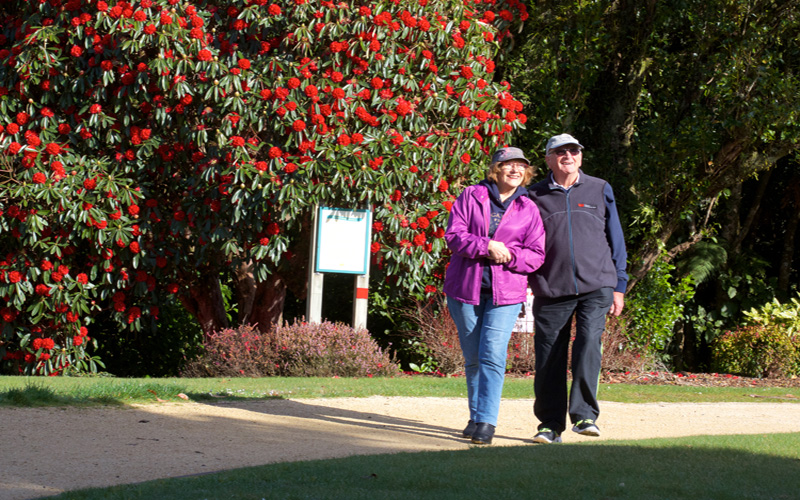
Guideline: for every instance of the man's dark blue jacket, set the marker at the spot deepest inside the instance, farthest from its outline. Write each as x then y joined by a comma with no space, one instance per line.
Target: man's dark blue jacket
585,246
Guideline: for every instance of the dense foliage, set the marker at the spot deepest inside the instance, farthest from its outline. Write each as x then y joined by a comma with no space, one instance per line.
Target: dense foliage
149,147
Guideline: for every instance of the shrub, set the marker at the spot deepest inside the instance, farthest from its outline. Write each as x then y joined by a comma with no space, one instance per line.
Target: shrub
622,355
298,350
521,357
327,349
435,337
239,352
757,351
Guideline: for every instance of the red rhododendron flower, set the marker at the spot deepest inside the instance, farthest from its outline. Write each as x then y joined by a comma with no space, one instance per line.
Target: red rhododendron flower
39,178
82,279
95,108
204,55
244,63
90,183
298,126
375,247
443,185
134,246
53,149
273,228
237,141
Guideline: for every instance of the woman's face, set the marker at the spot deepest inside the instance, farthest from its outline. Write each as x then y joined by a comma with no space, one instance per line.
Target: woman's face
511,175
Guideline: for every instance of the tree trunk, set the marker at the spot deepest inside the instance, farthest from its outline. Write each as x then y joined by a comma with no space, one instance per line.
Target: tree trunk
268,299
204,301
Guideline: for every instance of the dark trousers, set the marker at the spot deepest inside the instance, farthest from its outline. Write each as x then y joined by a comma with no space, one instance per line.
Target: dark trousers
553,322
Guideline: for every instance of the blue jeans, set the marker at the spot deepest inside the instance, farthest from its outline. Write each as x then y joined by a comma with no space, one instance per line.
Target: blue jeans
484,331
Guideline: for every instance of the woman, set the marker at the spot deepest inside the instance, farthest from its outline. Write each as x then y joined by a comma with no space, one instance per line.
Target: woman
496,235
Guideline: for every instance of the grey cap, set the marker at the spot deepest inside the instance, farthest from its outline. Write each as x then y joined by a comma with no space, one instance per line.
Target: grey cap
506,154
561,140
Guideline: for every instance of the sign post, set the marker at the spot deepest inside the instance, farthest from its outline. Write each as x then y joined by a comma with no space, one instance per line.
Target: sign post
340,244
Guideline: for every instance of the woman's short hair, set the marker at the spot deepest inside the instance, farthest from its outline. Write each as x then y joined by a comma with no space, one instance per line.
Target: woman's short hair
494,171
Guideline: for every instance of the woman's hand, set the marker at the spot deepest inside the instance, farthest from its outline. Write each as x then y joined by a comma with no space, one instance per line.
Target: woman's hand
498,252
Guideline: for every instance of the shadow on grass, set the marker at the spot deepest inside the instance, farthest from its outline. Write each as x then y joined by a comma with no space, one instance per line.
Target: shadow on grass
713,467
34,396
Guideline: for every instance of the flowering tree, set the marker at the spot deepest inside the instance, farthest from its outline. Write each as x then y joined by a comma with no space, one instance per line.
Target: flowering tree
148,147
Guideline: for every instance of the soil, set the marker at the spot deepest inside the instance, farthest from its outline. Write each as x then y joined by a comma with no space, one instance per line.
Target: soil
60,449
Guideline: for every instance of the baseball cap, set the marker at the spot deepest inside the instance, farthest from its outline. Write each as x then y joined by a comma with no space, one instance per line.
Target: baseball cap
560,140
506,154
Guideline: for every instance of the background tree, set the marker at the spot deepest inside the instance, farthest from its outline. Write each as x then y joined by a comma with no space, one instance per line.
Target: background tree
680,104
151,147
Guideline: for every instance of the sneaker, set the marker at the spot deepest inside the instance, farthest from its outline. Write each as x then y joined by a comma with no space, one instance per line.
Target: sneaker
586,428
546,436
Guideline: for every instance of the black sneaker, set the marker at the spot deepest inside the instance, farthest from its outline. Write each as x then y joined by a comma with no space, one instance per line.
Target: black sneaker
546,436
469,430
586,427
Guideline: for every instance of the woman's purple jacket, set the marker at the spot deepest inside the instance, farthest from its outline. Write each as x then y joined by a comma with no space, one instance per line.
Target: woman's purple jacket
467,235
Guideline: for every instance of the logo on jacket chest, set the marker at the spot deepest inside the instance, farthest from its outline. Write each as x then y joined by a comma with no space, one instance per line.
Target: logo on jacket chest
587,205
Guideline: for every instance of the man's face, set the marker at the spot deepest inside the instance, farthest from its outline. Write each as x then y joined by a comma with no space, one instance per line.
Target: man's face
565,160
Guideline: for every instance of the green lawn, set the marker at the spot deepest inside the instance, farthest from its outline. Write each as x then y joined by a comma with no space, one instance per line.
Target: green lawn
58,391
719,467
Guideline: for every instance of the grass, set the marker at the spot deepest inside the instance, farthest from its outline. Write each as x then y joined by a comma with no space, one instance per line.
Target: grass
719,467
87,391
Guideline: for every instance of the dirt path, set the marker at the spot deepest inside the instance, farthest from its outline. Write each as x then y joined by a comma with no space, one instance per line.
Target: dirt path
58,449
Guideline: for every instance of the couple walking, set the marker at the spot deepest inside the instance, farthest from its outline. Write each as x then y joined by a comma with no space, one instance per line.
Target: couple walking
563,238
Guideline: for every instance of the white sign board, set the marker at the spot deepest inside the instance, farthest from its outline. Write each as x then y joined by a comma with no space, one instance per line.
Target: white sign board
343,238
525,320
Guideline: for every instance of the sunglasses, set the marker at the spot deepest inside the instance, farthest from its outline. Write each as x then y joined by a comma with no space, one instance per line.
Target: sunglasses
563,152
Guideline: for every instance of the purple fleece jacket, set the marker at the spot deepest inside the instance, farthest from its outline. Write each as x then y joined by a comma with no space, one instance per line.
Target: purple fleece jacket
520,229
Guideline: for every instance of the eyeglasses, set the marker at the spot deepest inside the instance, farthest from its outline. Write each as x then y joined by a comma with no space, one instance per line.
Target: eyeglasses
510,167
563,152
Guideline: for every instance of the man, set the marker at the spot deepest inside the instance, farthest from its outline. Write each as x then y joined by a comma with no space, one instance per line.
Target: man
583,276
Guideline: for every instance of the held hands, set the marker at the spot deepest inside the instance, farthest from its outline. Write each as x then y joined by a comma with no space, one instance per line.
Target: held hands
498,252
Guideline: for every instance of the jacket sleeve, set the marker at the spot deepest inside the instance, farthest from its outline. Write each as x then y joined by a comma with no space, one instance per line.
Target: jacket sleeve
528,255
616,239
458,236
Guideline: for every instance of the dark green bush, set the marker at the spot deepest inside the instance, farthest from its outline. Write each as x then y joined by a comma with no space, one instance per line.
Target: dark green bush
757,351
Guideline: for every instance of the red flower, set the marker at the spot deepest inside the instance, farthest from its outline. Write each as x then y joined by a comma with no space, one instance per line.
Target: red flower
90,183
465,158
244,63
43,290
82,279
466,72
134,246
76,51
430,289
95,108
375,247
204,55
39,178
290,168
343,140
133,314
264,242
298,126
237,141
274,10
273,228
53,149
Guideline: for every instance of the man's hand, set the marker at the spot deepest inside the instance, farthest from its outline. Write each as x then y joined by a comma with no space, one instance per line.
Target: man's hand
498,252
618,304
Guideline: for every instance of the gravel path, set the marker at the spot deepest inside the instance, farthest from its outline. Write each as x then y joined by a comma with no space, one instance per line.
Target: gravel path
59,449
